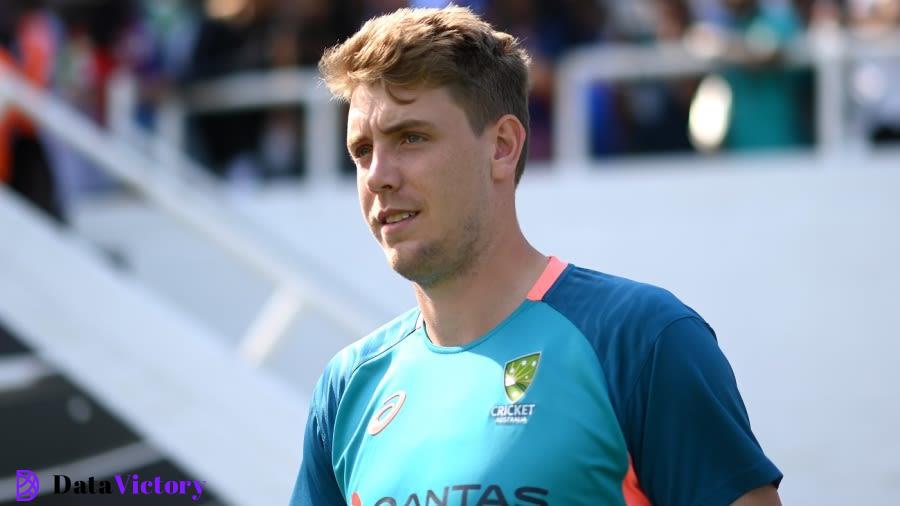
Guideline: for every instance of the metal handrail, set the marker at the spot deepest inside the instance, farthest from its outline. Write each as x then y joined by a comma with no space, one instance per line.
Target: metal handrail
292,293
248,90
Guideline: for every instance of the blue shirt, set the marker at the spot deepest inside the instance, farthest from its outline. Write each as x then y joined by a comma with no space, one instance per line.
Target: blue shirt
596,390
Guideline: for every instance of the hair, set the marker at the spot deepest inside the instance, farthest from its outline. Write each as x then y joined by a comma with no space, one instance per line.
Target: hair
484,70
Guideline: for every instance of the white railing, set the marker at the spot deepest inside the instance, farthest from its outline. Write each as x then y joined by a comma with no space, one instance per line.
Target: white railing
827,53
243,91
293,293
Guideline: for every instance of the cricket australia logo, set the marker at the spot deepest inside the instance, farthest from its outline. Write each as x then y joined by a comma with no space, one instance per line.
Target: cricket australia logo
517,377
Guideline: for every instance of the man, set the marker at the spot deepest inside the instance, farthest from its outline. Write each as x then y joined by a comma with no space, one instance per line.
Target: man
518,379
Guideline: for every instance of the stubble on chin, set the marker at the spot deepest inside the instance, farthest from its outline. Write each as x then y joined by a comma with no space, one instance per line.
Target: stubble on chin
438,261
419,265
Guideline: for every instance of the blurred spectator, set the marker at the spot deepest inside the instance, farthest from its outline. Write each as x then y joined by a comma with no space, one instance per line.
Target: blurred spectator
156,47
750,39
875,81
90,52
547,31
820,14
319,24
229,41
373,8
167,44
819,18
234,36
585,22
27,48
657,111
522,19
255,35
88,57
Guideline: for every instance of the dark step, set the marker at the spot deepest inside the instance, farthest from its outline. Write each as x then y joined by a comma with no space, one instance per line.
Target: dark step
53,421
9,345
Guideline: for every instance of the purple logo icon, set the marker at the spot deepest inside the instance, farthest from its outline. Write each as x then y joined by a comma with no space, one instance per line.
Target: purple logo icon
27,485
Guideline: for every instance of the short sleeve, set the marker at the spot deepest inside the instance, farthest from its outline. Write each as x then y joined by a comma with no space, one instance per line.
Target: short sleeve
316,484
686,424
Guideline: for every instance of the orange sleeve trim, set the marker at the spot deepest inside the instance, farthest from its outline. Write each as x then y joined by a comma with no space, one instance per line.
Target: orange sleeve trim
551,273
634,496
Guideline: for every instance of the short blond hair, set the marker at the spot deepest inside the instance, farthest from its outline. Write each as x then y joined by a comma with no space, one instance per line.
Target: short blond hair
485,70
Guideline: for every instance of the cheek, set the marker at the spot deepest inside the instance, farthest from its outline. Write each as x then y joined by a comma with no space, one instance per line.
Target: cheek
458,192
464,176
365,198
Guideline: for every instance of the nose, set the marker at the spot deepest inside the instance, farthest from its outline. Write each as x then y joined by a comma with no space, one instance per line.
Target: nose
383,173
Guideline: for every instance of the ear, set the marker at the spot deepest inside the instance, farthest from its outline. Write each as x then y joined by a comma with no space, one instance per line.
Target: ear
509,137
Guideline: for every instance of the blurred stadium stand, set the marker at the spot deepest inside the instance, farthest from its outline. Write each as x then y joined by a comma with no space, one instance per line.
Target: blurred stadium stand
254,264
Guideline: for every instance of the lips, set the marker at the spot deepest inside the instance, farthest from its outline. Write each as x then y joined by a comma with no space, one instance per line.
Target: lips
392,222
394,216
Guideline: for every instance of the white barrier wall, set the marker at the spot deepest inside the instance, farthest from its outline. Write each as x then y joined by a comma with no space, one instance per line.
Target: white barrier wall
797,268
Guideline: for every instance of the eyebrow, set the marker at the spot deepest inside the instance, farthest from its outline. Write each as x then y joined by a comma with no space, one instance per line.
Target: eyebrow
393,128
405,125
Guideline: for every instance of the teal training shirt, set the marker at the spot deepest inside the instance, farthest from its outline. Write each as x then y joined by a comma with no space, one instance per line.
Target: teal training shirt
596,390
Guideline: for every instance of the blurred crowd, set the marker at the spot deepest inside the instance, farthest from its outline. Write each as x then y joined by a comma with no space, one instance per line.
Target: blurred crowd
74,47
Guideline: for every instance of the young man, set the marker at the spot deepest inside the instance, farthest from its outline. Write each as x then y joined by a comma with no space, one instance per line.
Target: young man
518,379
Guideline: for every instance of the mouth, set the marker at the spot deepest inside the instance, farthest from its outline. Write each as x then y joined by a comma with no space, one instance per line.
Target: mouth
398,217
393,221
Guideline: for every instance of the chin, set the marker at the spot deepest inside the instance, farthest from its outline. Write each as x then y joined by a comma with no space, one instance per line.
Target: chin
419,263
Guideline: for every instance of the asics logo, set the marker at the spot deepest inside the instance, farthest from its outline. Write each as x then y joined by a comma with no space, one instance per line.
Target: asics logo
387,412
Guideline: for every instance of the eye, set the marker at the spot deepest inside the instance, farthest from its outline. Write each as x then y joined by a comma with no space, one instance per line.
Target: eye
412,138
362,151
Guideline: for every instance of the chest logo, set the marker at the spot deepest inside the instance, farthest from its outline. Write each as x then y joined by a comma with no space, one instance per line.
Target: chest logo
518,375
386,413
517,378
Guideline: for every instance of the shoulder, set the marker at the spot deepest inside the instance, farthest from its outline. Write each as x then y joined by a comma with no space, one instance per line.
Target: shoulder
595,301
380,341
316,481
620,318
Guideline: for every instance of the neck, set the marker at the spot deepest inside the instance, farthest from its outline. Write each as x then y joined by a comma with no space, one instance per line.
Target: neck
459,310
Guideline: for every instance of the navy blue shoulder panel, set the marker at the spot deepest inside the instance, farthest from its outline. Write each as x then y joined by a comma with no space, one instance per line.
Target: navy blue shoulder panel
673,391
621,318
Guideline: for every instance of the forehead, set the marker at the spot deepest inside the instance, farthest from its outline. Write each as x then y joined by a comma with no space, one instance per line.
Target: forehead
371,106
